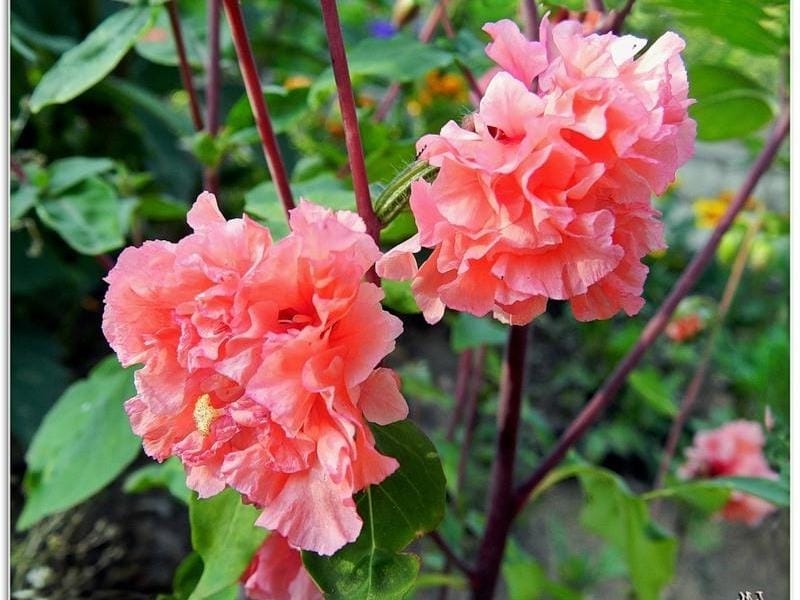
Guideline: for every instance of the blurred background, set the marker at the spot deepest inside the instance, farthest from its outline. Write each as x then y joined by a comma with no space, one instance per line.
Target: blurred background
121,162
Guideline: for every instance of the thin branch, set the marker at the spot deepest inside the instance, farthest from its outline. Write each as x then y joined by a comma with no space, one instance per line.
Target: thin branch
531,20
696,383
606,394
352,136
616,19
597,5
461,393
472,416
454,559
258,105
183,64
211,174
500,514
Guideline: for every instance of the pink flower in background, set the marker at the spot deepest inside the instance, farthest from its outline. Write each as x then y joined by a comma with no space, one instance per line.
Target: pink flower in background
260,363
277,573
735,449
546,193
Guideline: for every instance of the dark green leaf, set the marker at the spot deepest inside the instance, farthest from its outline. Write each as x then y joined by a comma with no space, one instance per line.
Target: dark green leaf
158,45
526,579
653,388
470,332
161,208
84,442
67,172
730,115
225,536
90,219
21,201
708,80
286,107
403,507
168,475
81,67
399,58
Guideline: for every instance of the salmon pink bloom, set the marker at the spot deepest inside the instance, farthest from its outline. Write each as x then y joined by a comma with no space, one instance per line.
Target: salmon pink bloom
735,449
546,193
260,363
277,573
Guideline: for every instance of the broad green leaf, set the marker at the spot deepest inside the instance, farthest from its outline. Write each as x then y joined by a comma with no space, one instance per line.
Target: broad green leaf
708,80
225,536
90,218
407,504
84,442
158,45
711,494
262,201
526,579
654,389
185,581
68,172
81,67
286,107
398,297
470,332
621,519
730,115
399,230
399,58
161,208
168,475
21,201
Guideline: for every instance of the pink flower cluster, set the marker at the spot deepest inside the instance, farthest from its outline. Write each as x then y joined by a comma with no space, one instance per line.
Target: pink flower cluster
261,363
277,573
735,449
544,193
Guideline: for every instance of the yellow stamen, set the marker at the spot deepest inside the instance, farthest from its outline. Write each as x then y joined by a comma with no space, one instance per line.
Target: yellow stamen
204,414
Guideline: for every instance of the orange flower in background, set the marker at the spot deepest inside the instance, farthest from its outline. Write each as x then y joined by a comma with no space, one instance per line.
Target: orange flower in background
735,449
261,363
684,328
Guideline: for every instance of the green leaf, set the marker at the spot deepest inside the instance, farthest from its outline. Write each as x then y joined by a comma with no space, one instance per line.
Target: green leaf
21,201
709,80
286,107
399,58
90,219
225,536
403,507
621,519
526,579
711,494
398,297
730,115
471,332
186,577
158,45
262,201
168,475
161,208
68,172
651,386
81,67
84,442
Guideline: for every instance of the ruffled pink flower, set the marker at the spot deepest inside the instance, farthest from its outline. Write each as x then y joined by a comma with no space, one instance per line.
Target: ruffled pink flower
277,573
546,194
733,450
260,363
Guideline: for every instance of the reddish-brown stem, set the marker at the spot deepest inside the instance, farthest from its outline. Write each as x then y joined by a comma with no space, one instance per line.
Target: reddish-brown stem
606,394
352,135
597,5
258,105
696,383
531,20
452,557
500,514
616,19
461,393
211,174
471,415
183,64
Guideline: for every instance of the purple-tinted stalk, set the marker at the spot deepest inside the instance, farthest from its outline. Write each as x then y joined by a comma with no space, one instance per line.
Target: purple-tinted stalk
501,500
597,5
461,393
531,20
352,136
696,383
606,394
252,84
211,174
183,64
616,19
471,415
